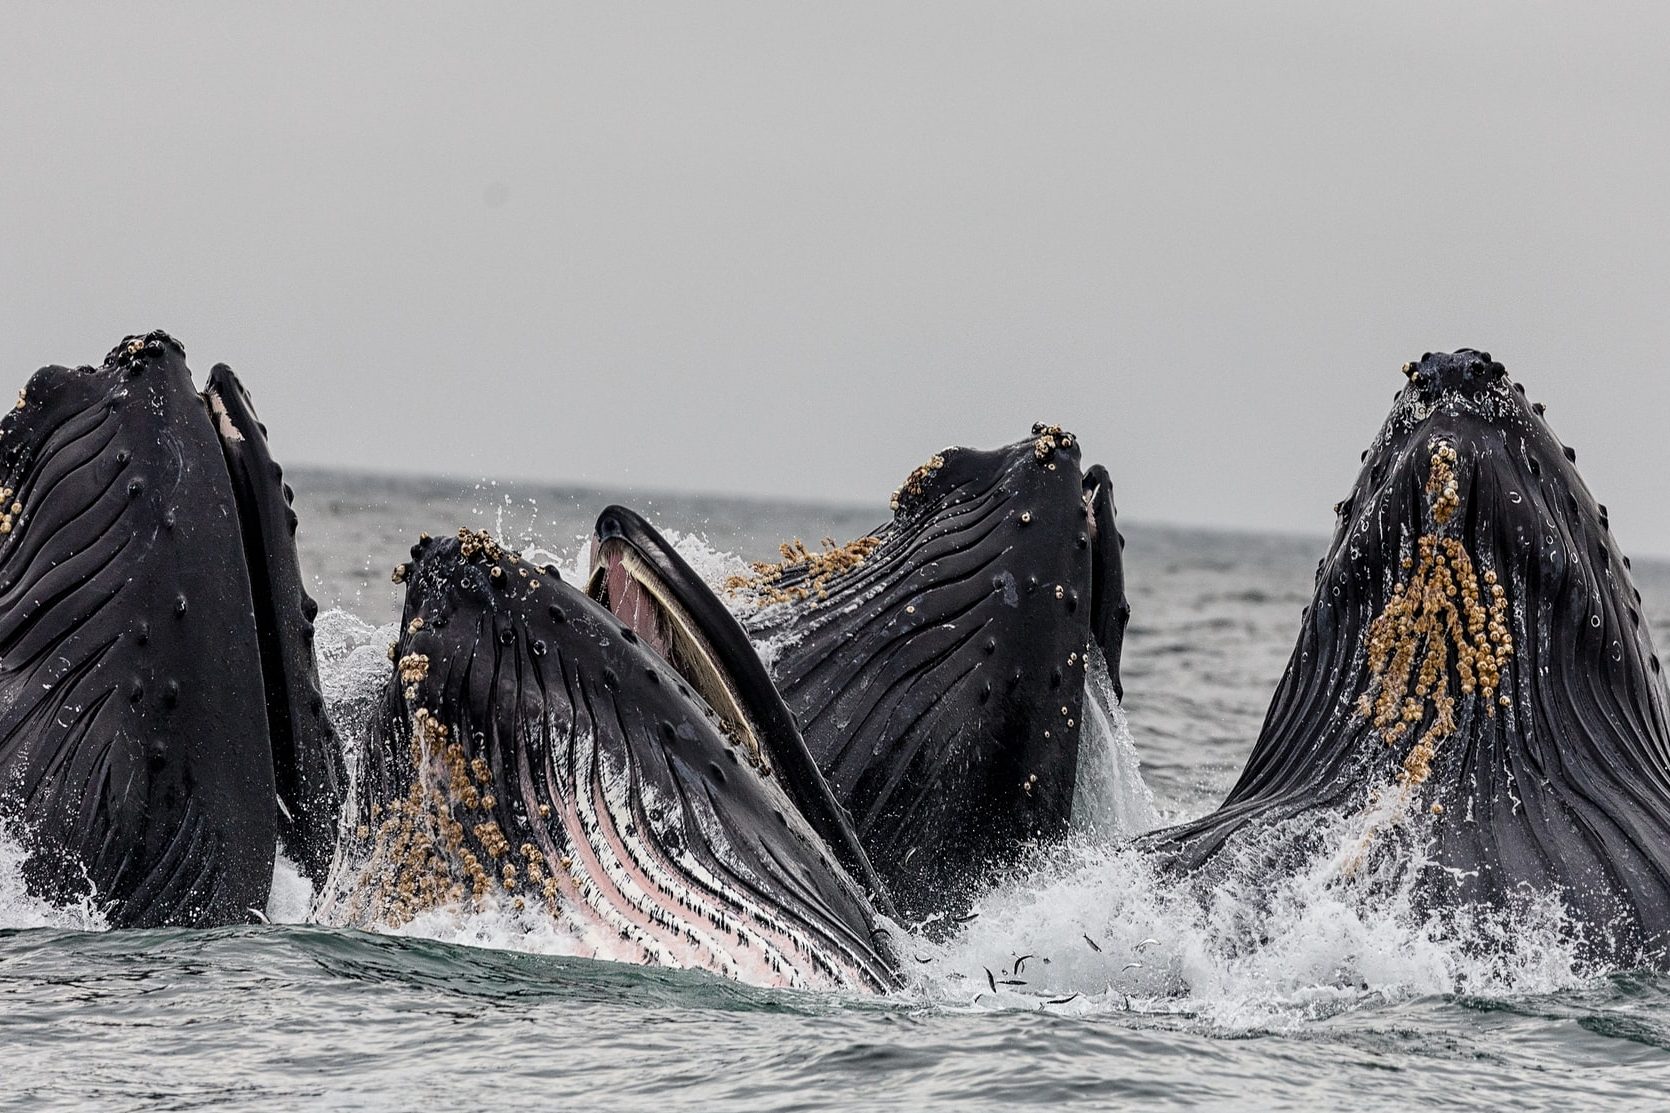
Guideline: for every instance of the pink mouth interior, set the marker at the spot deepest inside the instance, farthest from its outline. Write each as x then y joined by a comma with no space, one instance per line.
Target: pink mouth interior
628,600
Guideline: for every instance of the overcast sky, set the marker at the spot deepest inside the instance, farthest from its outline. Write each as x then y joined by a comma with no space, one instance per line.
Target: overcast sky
792,249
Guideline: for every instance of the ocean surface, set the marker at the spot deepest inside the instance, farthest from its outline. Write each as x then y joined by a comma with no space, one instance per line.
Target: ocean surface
1128,991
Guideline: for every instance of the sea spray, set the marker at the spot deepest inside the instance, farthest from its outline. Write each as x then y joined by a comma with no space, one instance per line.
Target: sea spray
290,901
1104,927
21,909
1110,800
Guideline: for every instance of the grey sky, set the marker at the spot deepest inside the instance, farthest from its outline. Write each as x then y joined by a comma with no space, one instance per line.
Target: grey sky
792,249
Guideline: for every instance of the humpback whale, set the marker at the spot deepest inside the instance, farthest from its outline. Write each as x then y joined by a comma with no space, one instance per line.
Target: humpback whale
936,667
642,579
161,728
535,751
1473,681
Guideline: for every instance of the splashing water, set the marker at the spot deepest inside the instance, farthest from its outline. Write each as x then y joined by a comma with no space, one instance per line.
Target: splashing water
1110,801
1104,928
20,909
291,899
1090,926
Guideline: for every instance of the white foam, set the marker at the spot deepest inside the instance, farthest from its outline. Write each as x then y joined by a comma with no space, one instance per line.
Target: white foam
290,900
19,909
1238,949
713,565
498,925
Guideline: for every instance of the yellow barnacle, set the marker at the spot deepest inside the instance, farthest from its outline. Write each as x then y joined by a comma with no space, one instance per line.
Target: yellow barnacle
1433,618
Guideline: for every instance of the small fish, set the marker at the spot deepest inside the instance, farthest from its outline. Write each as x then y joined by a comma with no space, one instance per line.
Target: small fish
1062,1000
1147,943
1012,981
1020,962
1130,966
968,918
991,981
258,914
920,959
1093,945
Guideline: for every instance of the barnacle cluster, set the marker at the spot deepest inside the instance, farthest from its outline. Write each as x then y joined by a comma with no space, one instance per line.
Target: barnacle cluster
1049,439
473,542
413,668
9,510
1445,613
819,567
1441,486
916,482
441,843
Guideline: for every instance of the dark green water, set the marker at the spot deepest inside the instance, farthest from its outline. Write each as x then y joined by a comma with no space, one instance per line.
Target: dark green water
1294,997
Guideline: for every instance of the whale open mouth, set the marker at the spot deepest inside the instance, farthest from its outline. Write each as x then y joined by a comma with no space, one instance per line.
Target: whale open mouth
640,579
535,752
650,603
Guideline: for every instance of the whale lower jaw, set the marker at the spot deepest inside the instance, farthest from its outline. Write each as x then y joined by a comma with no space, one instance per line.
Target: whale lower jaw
536,757
592,866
